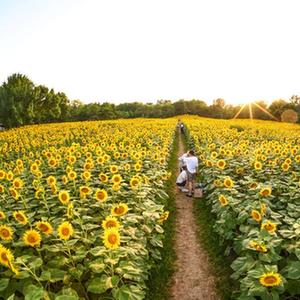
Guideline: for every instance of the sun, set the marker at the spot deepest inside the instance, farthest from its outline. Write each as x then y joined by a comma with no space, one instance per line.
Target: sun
250,106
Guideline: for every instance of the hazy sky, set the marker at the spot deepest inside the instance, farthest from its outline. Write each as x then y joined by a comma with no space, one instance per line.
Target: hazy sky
140,50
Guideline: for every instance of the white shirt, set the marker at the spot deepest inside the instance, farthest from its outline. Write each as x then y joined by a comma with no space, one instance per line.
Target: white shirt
181,177
191,163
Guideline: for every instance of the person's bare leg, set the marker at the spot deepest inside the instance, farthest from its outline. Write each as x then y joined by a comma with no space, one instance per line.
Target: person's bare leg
193,186
190,186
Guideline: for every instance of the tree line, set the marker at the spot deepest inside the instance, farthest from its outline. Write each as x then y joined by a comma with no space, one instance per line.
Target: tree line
22,102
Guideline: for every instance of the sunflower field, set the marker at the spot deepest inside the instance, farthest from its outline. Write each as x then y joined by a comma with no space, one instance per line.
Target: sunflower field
251,171
82,208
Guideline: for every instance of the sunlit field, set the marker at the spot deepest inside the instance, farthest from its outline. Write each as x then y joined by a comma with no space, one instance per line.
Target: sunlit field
81,208
83,205
252,174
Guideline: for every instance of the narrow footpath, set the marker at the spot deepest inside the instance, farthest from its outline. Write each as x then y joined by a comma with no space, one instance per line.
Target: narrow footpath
193,279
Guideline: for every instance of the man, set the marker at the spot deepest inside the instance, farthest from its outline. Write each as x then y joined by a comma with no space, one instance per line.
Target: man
191,162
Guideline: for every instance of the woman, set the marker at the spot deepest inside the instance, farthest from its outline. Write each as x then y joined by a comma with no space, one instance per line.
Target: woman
182,179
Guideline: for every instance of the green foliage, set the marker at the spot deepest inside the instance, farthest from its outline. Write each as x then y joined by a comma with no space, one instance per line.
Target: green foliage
22,103
161,273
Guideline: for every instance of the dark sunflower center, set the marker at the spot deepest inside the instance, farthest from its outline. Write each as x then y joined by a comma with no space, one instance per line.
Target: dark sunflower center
119,210
270,279
4,232
112,238
32,239
4,257
43,227
110,223
65,231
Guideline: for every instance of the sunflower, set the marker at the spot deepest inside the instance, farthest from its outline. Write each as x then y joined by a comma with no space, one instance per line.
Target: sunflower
6,257
270,279
51,180
239,170
288,161
114,169
18,183
20,217
137,167
265,192
52,162
285,166
9,175
44,227
228,183
70,211
110,222
253,185
258,247
257,165
208,163
116,187
65,230
38,193
86,175
2,174
261,248
163,217
2,215
213,155
88,166
39,174
64,197
116,179
72,159
103,177
32,238
263,208
14,193
100,160
127,167
221,164
256,215
34,168
6,232
101,195
134,183
54,189
72,175
119,209
111,238
64,179
269,226
84,191
223,200
217,183
2,188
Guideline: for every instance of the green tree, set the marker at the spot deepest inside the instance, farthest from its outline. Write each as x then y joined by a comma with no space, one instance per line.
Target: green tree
17,101
277,107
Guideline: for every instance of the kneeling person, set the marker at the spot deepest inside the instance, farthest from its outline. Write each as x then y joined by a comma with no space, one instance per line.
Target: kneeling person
182,179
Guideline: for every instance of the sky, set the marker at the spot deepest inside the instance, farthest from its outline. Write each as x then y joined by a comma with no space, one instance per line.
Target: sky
140,50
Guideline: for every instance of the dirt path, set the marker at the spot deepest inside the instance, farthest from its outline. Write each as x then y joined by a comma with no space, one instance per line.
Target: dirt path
193,279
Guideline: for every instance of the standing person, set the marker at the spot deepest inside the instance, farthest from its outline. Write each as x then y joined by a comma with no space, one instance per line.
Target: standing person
191,162
179,124
182,128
